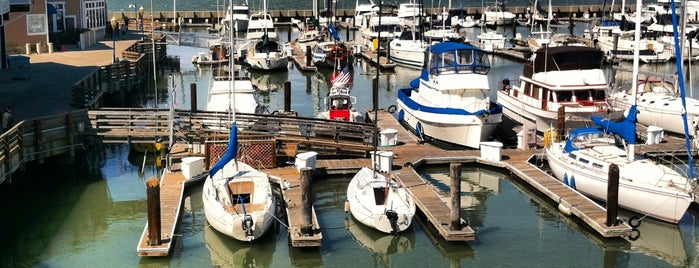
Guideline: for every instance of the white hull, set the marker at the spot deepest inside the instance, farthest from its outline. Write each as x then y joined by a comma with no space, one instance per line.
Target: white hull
220,97
408,52
583,162
661,110
364,207
264,61
227,217
464,130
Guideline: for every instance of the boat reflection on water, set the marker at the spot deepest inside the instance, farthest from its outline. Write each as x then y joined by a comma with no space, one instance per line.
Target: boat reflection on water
268,81
228,252
382,245
660,240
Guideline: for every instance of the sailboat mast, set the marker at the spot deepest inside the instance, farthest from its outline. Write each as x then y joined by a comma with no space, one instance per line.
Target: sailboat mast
680,79
231,80
634,71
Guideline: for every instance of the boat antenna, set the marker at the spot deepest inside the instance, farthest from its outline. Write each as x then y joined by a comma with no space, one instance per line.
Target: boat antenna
678,61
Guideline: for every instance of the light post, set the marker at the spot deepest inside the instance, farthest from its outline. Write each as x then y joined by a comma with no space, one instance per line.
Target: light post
140,19
114,29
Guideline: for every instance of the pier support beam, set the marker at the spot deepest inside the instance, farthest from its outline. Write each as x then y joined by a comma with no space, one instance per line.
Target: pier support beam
306,203
612,195
454,217
153,200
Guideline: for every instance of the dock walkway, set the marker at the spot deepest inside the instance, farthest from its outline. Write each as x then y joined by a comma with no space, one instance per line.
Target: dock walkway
171,196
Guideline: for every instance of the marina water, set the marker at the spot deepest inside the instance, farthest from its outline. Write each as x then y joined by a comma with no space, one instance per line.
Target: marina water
63,217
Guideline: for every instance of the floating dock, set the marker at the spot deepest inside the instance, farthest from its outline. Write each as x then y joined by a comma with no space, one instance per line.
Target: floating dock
299,58
383,62
171,196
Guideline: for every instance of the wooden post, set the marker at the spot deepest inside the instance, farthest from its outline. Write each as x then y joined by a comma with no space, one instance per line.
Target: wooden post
375,93
287,96
306,215
193,96
612,195
288,35
308,56
388,54
454,217
347,34
153,202
561,123
39,140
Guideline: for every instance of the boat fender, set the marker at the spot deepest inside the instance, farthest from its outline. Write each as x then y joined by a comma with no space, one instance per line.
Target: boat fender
572,182
401,115
565,209
565,179
392,109
347,206
634,221
392,217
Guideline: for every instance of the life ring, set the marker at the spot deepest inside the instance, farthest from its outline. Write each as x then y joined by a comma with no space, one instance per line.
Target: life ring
634,221
392,109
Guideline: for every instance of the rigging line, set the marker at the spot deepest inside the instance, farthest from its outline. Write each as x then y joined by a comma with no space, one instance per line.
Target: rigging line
275,217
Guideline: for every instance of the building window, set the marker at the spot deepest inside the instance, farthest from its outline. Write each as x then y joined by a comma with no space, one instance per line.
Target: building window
36,24
95,14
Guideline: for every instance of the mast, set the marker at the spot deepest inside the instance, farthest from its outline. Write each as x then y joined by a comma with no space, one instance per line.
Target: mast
680,79
634,71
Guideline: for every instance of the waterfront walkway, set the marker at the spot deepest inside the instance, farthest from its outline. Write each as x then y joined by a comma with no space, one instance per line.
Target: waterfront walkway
48,89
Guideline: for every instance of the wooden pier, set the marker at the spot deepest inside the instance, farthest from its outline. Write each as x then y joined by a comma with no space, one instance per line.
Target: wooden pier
171,196
383,62
300,58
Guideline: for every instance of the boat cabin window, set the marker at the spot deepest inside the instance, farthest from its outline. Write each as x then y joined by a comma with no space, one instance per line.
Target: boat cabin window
597,165
598,94
564,96
340,103
240,199
584,161
572,156
458,61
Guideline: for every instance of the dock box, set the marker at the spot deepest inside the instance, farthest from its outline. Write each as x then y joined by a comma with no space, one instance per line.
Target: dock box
192,166
491,150
382,160
307,159
389,137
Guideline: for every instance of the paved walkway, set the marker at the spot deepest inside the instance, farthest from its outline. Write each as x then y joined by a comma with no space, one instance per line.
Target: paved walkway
47,91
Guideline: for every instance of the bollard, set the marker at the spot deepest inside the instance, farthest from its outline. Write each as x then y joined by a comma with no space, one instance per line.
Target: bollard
38,48
287,96
28,48
193,96
153,203
612,195
454,217
306,215
50,48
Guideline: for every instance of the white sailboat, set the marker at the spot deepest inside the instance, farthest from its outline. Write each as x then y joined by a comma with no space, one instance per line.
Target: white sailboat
237,15
238,199
646,187
263,50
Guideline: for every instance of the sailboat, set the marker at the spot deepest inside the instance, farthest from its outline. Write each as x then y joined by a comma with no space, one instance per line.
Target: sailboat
263,50
376,201
238,199
646,187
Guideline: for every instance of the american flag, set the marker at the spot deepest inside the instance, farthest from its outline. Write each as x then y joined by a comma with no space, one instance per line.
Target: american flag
343,78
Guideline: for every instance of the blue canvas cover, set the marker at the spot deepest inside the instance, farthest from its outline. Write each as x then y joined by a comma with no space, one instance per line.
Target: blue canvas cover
625,129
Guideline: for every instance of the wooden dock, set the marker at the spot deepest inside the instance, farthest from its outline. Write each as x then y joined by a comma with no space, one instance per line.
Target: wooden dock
299,58
383,62
171,196
412,154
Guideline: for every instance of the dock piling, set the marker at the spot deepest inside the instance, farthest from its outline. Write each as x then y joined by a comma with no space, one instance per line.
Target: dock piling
153,200
455,175
193,96
612,195
375,93
308,56
287,96
307,220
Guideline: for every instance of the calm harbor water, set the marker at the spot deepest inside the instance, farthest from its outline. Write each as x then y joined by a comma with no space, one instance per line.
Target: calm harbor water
62,217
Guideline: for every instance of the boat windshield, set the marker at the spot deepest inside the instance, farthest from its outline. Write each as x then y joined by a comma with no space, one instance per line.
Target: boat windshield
459,61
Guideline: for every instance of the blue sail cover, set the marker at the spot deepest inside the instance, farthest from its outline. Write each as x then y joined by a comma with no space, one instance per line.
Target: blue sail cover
625,129
569,147
332,30
442,47
231,153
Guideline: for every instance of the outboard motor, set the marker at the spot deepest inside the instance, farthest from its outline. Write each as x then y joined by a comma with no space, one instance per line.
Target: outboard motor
248,226
393,219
